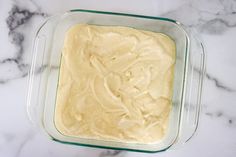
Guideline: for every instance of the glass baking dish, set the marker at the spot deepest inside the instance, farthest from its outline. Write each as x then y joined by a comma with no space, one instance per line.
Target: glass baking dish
188,77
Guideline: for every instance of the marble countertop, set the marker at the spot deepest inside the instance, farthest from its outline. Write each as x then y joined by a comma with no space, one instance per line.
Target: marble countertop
214,20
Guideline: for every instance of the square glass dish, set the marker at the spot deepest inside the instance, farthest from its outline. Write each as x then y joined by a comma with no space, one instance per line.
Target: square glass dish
187,87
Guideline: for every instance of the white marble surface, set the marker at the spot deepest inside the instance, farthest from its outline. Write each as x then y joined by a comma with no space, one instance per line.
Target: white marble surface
215,20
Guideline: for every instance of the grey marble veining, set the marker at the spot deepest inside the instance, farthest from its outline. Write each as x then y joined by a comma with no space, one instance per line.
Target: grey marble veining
216,81
205,17
214,20
16,18
219,84
220,114
111,153
23,142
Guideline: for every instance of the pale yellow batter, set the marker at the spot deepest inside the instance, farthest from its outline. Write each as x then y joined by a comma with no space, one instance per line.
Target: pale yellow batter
115,83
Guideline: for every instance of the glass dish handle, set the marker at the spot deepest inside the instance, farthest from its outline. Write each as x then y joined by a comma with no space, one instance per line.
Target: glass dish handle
194,83
36,71
40,68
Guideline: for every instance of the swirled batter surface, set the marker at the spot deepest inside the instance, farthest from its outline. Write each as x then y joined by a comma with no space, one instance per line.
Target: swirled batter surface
115,83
